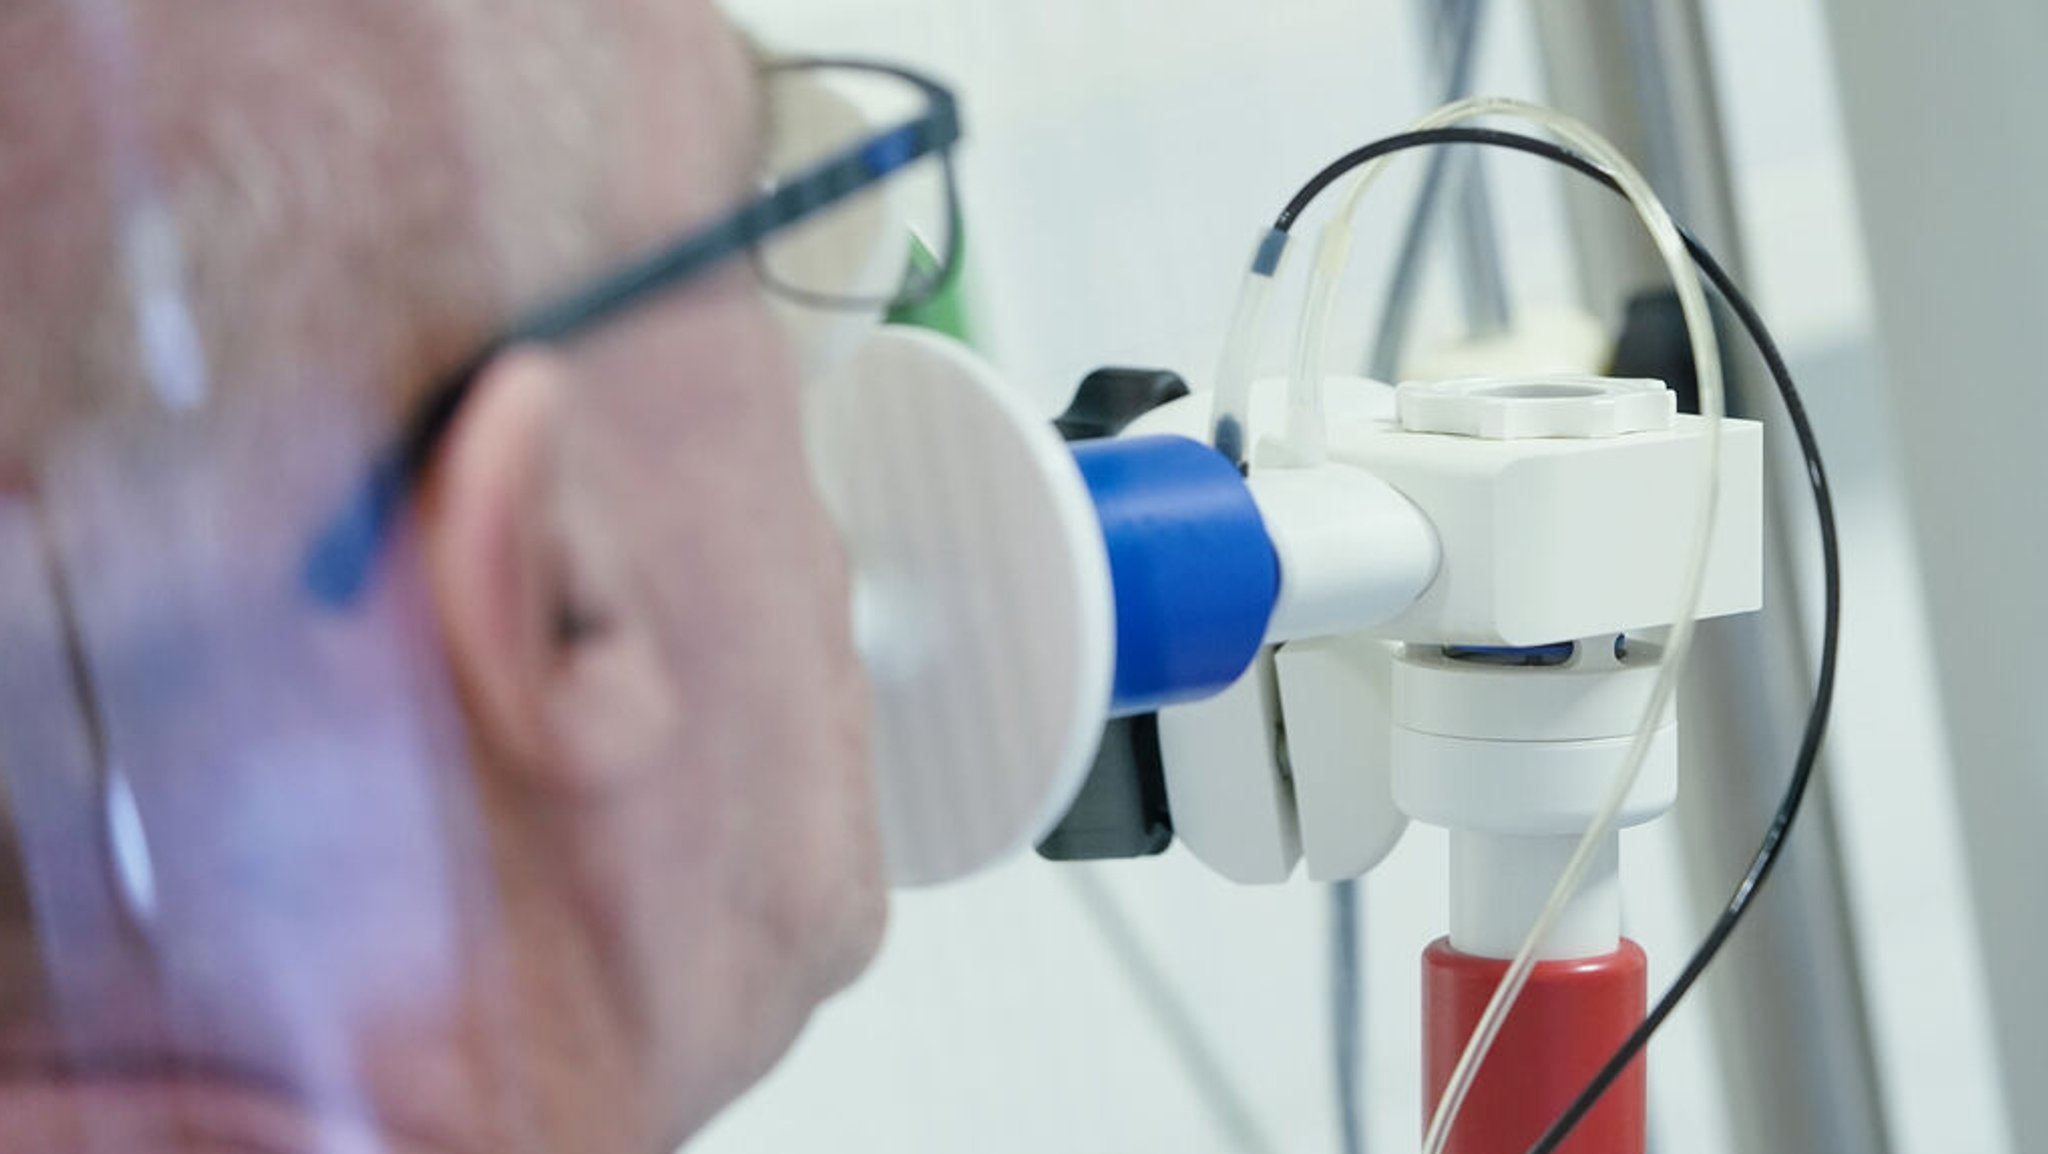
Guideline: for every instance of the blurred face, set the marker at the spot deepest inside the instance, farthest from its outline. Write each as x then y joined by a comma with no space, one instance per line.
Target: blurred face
697,449
727,714
642,606
648,614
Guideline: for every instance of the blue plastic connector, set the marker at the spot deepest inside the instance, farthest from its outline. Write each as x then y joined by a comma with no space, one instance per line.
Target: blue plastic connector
1195,571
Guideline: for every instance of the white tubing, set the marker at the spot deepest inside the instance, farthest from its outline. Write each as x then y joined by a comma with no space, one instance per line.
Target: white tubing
1307,426
1231,420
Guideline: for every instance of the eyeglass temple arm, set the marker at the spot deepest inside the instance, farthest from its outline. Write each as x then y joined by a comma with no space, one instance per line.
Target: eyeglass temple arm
339,564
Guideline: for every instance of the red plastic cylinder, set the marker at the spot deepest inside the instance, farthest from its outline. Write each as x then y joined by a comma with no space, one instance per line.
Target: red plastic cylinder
1565,1027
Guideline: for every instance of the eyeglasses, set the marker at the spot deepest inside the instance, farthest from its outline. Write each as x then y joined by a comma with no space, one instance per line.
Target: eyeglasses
822,233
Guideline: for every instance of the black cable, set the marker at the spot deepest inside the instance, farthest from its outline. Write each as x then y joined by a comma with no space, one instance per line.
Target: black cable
1807,760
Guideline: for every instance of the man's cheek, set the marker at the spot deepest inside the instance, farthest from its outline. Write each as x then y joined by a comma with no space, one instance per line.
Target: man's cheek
851,882
867,913
846,873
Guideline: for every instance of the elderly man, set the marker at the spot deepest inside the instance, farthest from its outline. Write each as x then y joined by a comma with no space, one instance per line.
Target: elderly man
619,841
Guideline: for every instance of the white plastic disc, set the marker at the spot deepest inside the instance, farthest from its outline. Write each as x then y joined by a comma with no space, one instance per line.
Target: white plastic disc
982,605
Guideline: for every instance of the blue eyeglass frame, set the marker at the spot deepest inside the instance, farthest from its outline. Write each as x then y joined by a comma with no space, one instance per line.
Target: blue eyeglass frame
343,557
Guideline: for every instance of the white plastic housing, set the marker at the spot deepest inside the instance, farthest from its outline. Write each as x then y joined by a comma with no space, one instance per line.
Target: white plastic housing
1552,539
1542,540
1249,815
1353,552
1232,806
1528,789
1336,697
1516,762
1526,752
1596,695
1537,541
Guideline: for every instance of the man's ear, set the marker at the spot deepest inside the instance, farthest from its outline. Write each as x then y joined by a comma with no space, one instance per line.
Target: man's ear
494,549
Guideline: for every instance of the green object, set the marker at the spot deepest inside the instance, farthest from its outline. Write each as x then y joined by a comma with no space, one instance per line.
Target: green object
946,310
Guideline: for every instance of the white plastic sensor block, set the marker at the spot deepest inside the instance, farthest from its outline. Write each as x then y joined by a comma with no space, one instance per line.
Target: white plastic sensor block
1546,540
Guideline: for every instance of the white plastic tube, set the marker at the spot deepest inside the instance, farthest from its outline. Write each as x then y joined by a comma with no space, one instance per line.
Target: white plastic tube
1307,424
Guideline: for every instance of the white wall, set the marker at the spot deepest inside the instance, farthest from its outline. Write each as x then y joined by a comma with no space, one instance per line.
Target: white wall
1123,156
1952,162
1895,795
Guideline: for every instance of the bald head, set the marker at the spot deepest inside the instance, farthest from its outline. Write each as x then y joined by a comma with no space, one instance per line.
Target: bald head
235,194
